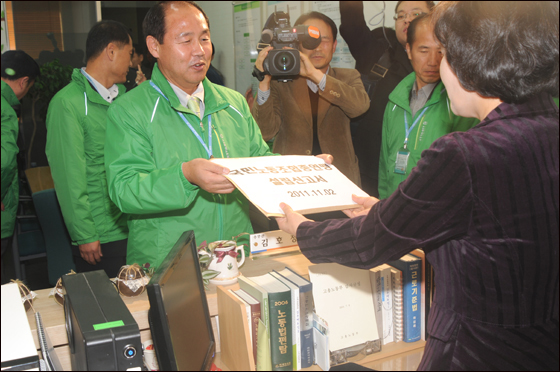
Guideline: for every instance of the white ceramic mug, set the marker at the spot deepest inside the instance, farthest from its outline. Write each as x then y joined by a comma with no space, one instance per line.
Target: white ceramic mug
226,261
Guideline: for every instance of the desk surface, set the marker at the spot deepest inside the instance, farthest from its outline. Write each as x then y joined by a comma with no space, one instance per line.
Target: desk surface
396,356
53,314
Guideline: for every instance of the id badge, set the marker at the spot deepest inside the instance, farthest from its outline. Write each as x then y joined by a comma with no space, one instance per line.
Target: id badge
402,161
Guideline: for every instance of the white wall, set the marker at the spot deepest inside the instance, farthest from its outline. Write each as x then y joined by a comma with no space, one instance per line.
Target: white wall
5,39
78,17
220,14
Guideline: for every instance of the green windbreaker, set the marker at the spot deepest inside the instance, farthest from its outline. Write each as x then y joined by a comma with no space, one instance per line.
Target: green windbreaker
437,121
76,122
146,144
10,185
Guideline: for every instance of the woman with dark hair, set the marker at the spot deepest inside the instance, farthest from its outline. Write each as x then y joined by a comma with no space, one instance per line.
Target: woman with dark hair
483,203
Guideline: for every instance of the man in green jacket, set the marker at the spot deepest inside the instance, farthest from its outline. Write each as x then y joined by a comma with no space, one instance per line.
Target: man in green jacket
19,72
158,142
418,110
76,122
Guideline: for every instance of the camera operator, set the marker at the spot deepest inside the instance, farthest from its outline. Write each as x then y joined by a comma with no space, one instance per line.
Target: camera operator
311,115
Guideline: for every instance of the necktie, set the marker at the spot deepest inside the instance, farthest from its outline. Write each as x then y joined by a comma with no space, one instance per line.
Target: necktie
194,105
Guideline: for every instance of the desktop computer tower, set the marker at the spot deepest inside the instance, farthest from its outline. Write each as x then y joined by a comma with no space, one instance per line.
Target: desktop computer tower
102,334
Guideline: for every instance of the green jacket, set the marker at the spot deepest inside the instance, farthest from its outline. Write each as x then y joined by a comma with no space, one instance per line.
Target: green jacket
10,185
146,144
76,122
437,121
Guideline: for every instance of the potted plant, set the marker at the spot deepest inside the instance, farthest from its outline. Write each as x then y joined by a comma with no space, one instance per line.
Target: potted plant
204,258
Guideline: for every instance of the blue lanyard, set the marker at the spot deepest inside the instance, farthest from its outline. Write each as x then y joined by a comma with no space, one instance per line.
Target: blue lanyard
207,148
408,130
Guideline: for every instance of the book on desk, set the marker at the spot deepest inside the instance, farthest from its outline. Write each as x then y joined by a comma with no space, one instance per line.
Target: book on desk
305,315
291,348
253,308
393,283
280,320
411,268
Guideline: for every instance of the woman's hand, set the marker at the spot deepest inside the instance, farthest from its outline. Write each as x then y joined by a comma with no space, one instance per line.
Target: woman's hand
326,157
365,202
291,221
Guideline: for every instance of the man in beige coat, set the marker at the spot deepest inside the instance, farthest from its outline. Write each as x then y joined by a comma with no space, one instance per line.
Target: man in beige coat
311,115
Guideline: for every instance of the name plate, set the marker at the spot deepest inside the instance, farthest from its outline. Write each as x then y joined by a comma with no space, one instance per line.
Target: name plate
266,241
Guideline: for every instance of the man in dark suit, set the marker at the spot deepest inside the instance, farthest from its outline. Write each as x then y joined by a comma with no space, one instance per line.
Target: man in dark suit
311,115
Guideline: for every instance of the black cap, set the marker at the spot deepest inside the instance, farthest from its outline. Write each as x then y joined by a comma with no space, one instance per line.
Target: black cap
17,64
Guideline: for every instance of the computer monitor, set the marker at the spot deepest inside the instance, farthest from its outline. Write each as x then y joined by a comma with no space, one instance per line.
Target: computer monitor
179,317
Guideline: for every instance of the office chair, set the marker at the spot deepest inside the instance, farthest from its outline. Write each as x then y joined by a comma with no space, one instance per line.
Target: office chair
51,239
57,241
27,243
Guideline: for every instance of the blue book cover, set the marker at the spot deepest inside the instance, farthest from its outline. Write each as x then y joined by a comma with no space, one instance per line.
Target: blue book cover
411,267
306,315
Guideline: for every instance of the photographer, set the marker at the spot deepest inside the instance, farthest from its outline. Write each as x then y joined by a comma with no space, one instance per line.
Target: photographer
311,115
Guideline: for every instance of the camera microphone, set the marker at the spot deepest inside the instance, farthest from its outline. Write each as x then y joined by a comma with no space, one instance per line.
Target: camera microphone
309,35
267,36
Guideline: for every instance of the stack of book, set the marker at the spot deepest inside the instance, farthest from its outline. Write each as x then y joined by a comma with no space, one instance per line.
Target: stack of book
278,310
395,290
410,268
403,298
282,304
343,297
387,283
427,289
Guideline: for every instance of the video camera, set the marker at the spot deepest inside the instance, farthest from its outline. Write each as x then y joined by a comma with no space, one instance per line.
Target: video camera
284,64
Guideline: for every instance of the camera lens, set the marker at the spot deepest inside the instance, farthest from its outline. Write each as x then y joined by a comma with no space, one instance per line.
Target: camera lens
284,61
129,351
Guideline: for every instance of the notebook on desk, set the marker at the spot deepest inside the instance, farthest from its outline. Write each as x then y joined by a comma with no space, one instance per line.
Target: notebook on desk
18,348
49,355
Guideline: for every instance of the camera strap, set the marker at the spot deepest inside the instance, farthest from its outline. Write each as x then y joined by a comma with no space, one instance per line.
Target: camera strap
376,73
379,69
258,73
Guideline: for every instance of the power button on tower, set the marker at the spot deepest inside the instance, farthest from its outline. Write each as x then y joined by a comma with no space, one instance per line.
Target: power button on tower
129,351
